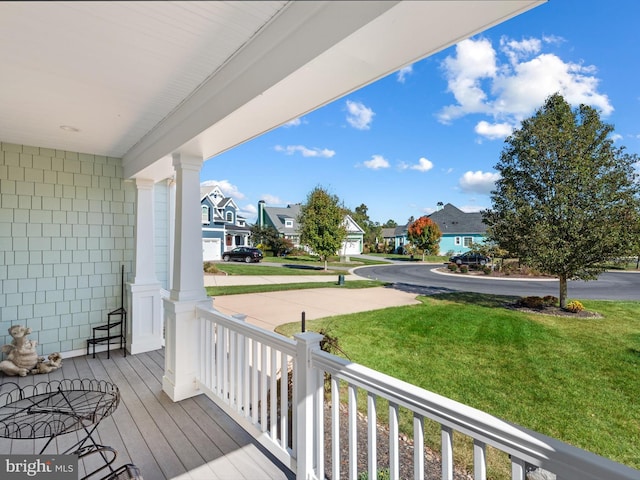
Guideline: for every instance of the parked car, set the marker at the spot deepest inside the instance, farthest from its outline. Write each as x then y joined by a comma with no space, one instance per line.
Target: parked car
470,258
243,254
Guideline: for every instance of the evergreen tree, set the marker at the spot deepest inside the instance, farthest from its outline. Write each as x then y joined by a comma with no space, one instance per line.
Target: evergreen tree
567,199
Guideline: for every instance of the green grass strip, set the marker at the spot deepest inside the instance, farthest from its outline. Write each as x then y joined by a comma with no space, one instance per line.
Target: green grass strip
278,287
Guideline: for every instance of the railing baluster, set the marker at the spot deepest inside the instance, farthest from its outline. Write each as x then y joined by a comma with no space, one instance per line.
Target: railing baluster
372,431
517,469
284,401
273,398
246,376
353,432
447,453
479,460
232,370
418,447
319,416
394,452
263,388
225,365
335,427
254,382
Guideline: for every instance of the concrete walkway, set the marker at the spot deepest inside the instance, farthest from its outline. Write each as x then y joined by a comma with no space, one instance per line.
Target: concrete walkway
270,309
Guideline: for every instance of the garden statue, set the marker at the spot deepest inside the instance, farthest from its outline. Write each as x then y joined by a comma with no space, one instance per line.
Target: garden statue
22,357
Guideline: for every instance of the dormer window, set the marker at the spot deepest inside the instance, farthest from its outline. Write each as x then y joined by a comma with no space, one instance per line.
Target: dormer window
288,223
205,214
229,217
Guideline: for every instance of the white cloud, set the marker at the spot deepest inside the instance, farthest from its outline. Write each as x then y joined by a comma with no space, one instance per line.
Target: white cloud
359,116
478,182
515,50
376,162
293,123
227,188
423,165
305,151
271,199
472,208
512,89
493,131
249,211
616,136
404,72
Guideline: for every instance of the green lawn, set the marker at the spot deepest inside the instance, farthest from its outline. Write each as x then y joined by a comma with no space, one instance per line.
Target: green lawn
573,379
237,268
278,287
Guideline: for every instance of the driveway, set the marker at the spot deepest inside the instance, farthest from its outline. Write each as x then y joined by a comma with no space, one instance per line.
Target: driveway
270,309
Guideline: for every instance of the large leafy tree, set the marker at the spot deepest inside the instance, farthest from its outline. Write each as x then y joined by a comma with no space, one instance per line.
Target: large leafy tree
425,234
322,225
567,197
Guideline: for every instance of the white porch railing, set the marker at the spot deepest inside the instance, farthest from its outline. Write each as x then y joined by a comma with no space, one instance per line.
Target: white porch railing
241,369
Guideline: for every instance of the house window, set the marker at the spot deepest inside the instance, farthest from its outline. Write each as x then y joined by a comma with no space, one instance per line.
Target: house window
467,241
288,223
205,214
239,240
457,241
229,217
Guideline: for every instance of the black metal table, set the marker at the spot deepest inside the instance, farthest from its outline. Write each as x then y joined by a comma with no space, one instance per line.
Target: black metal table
51,409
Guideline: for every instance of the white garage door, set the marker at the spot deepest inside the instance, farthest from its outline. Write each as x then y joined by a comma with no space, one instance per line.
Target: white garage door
351,248
211,249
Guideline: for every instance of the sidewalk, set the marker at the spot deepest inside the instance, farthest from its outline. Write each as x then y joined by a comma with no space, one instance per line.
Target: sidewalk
270,309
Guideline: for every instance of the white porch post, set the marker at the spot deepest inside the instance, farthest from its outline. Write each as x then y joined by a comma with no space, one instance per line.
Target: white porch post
187,291
307,389
145,314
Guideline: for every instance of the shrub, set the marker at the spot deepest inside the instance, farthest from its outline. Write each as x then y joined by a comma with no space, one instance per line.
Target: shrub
209,267
550,301
486,269
532,302
464,268
453,267
574,306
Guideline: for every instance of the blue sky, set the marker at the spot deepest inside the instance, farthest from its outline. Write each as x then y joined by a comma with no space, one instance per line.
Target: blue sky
433,132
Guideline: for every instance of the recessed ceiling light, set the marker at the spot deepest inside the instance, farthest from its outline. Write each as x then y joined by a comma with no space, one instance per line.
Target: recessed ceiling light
69,128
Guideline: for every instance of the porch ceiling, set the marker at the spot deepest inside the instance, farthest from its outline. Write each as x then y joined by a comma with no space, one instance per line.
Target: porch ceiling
141,80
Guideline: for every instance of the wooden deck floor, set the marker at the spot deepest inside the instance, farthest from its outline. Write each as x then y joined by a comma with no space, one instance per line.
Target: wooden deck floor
191,439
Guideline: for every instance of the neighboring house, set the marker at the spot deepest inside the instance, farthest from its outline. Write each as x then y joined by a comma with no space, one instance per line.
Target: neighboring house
285,221
460,230
222,227
387,238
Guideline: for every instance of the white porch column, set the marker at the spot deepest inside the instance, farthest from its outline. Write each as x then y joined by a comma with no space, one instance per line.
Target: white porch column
145,314
187,291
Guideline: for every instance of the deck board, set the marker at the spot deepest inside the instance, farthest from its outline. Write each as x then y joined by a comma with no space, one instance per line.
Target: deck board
188,440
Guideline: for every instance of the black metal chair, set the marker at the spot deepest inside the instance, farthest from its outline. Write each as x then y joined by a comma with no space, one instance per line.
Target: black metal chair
127,471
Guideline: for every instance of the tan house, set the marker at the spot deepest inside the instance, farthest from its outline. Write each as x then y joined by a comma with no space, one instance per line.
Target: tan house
108,111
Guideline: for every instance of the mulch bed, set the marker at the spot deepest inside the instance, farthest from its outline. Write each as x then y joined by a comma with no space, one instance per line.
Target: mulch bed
432,463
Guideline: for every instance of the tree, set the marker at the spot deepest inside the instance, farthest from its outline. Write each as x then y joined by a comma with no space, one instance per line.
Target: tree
372,230
390,224
567,198
425,234
322,225
268,237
